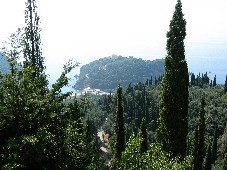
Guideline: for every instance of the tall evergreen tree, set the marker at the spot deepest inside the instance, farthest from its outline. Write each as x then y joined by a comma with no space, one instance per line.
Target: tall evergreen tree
225,162
31,39
88,134
150,82
144,145
192,79
119,125
214,145
215,81
207,164
225,88
173,119
199,137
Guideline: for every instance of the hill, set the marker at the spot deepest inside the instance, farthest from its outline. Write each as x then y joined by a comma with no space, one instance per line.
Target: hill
4,65
108,72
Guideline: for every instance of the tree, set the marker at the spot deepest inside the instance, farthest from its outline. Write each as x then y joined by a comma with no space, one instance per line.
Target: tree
18,83
150,81
173,118
225,88
155,158
199,137
193,79
119,125
39,130
144,145
215,81
207,164
225,163
214,145
41,124
88,134
31,39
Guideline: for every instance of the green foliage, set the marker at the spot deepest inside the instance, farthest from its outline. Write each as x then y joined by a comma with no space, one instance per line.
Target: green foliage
101,111
131,157
88,131
215,114
225,163
41,124
215,81
225,87
173,123
214,145
119,125
139,102
39,128
155,158
144,145
199,137
207,164
200,81
31,39
102,73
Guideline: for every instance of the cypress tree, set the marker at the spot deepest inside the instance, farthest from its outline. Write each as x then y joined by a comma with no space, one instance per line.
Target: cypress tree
173,119
155,81
147,82
119,125
31,39
144,146
150,82
199,137
211,83
207,79
31,46
88,134
207,164
214,82
192,79
197,80
225,163
195,147
225,88
214,145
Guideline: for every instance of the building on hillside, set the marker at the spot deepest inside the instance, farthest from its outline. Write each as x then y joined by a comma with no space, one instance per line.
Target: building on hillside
89,91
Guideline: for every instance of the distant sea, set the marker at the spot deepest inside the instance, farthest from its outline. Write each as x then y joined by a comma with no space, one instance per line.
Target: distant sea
196,64
212,65
208,56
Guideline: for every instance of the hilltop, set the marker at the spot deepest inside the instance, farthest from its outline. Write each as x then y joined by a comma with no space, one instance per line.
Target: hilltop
108,72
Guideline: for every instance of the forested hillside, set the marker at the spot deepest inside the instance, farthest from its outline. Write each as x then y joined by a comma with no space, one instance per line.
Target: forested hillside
141,102
154,123
108,72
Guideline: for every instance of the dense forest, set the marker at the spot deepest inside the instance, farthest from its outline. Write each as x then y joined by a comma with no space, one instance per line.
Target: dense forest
177,121
102,73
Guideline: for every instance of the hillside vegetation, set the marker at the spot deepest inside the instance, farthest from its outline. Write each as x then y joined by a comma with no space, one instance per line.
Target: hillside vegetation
108,72
142,102
160,123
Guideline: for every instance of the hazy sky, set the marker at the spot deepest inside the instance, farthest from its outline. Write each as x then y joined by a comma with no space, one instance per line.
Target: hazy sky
89,29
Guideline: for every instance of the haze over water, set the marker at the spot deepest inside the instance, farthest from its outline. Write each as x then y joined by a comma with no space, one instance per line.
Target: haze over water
88,30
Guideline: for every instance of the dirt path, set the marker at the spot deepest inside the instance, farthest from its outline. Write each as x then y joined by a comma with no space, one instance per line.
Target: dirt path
105,145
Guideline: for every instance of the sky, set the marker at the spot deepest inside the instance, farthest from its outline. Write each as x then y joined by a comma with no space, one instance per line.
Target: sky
86,30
